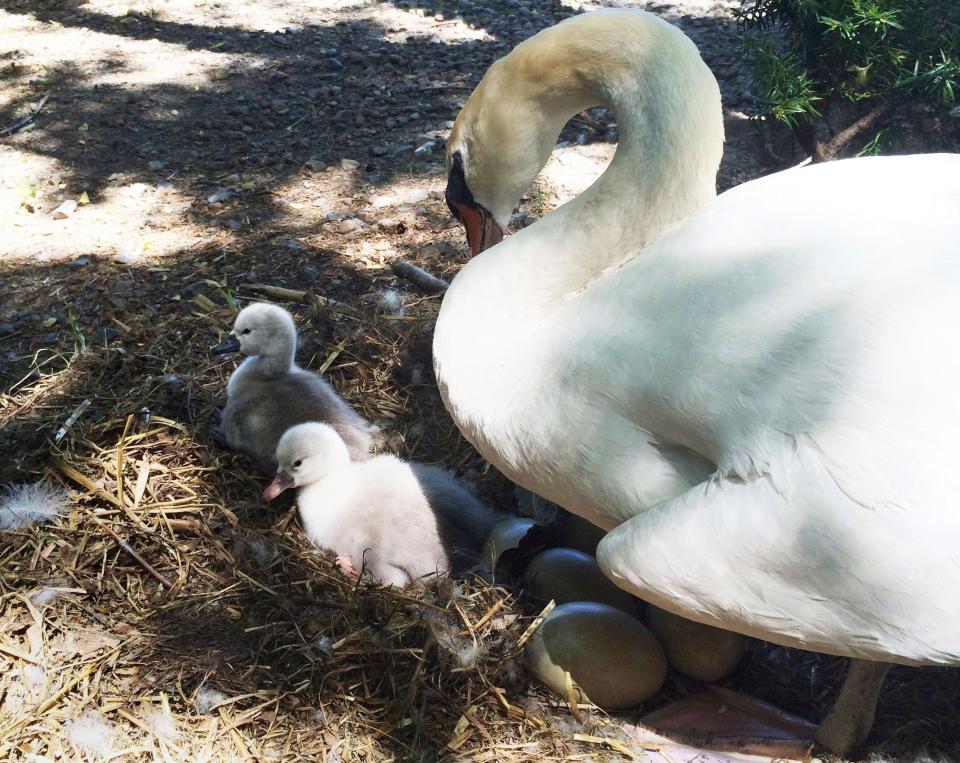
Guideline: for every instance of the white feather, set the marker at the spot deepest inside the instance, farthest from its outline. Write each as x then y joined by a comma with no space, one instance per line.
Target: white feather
91,734
26,504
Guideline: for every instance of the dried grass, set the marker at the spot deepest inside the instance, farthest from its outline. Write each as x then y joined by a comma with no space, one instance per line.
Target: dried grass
171,615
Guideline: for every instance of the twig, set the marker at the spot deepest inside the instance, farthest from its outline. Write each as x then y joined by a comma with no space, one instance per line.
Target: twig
295,295
129,549
71,420
418,277
821,150
17,126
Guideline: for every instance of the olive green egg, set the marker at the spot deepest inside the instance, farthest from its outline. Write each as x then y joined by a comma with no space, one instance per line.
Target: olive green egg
506,535
565,574
573,531
614,660
699,651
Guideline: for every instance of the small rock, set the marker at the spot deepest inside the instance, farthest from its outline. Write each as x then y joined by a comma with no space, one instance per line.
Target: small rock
231,224
350,225
316,165
379,150
80,262
220,195
292,243
333,217
425,148
127,254
414,197
379,202
7,328
157,165
349,164
388,223
65,210
310,273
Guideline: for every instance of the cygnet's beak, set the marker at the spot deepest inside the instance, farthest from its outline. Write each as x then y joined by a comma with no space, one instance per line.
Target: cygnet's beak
281,482
228,345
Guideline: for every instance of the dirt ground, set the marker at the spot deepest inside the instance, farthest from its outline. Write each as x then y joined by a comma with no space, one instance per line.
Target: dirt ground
184,153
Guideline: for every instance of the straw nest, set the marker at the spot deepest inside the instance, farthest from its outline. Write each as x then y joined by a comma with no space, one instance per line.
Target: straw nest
171,615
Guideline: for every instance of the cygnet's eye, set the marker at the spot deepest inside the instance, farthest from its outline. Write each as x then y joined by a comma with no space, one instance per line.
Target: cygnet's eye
296,464
246,331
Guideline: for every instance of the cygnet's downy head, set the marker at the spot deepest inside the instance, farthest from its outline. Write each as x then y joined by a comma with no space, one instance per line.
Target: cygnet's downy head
306,454
258,330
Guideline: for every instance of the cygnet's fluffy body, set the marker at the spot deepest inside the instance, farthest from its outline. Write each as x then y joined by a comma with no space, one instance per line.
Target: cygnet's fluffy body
269,393
394,522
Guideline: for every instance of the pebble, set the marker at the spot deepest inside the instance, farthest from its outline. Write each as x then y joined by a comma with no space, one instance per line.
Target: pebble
80,262
415,197
65,210
379,202
349,164
157,165
292,243
379,150
127,254
221,195
388,223
350,225
310,273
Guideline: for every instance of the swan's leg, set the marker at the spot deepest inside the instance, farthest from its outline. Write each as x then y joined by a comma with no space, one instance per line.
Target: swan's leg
848,723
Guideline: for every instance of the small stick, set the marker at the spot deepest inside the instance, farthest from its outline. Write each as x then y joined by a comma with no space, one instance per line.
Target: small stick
295,295
129,549
71,420
536,623
418,277
17,126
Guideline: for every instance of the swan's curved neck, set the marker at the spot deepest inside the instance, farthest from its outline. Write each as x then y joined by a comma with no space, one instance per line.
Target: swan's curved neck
667,105
496,314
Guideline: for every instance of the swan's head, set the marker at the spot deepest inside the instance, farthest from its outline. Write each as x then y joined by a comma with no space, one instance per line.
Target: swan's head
497,146
306,454
260,329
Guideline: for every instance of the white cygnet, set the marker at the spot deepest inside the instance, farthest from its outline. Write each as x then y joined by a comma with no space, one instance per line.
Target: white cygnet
388,520
269,393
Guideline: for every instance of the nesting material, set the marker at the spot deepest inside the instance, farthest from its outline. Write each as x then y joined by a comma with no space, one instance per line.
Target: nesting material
26,504
163,724
91,734
208,699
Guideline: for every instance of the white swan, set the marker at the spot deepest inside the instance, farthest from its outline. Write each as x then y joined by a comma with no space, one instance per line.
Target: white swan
755,393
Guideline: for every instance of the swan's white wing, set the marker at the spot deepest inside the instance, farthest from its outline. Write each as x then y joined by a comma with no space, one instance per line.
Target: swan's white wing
798,563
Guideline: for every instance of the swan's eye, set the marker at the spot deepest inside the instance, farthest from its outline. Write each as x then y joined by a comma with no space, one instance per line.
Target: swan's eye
246,331
296,464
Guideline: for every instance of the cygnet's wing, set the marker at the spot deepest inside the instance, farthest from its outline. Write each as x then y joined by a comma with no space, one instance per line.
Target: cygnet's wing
262,408
463,521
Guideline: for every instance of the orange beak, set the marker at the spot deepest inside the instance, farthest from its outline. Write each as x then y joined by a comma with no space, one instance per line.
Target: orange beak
281,482
482,230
